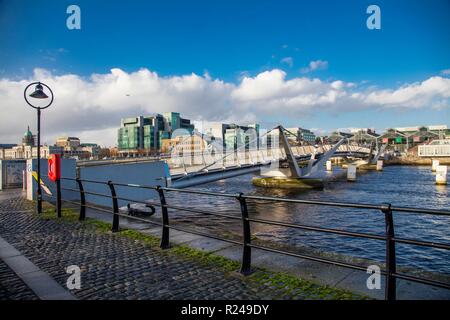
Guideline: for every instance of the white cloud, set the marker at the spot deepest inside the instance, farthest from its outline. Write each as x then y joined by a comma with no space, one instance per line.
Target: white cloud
315,65
92,107
288,60
416,95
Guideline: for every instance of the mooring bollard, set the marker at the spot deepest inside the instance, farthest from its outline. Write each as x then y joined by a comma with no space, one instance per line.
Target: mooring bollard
434,165
351,172
329,167
380,165
441,175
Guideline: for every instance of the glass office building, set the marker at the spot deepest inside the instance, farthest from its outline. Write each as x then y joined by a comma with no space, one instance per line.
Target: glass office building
241,137
145,133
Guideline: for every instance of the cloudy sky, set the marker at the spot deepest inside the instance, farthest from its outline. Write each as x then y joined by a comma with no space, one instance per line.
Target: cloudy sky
296,63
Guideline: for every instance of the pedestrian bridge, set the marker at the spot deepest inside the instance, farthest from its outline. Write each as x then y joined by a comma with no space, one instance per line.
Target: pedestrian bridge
194,169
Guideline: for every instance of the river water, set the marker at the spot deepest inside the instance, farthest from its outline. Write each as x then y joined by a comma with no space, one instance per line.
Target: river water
407,186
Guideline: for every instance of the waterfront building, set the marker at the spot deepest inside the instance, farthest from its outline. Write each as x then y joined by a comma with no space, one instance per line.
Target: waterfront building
131,133
395,140
393,136
173,121
14,151
46,151
140,133
241,137
364,136
293,135
336,136
92,149
441,130
68,142
183,145
144,134
411,136
421,135
113,152
7,151
27,149
4,147
28,152
226,135
213,131
436,148
229,136
73,148
256,127
300,135
232,137
307,135
64,146
28,138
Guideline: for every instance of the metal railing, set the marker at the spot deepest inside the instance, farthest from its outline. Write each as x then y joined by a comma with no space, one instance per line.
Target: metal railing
390,272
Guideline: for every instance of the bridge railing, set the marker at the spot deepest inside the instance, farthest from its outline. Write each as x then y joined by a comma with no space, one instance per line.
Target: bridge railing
386,210
251,156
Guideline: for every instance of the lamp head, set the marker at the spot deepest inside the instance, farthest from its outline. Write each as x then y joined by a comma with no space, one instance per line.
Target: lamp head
39,92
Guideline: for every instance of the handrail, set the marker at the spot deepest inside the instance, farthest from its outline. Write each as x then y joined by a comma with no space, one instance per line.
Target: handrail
387,210
276,199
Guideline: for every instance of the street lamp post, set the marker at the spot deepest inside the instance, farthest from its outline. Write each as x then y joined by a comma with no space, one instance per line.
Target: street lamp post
38,94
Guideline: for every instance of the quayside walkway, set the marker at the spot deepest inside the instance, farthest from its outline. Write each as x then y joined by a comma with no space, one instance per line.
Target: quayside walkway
117,266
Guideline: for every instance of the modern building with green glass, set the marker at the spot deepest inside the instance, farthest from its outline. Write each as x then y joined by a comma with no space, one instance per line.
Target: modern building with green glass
301,135
241,137
307,135
145,133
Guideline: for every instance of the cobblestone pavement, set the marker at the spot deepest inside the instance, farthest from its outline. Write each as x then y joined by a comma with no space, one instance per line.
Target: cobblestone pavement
12,287
113,266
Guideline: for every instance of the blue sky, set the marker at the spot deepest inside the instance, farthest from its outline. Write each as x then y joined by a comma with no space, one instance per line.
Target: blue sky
232,39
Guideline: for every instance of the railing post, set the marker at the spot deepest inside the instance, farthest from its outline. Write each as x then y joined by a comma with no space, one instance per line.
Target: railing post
165,244
82,200
58,197
115,224
391,267
247,249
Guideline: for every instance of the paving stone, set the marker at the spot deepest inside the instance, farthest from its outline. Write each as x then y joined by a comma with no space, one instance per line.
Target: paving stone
112,266
12,287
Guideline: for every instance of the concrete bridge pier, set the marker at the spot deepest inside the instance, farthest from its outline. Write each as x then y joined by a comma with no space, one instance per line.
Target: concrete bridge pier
441,175
434,165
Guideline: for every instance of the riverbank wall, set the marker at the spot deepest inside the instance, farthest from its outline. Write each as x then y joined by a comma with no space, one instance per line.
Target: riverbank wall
417,161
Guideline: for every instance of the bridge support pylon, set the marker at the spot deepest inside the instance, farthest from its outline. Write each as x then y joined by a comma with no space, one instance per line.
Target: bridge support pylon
289,174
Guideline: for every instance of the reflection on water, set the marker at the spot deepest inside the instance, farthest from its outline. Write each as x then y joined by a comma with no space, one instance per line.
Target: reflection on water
398,185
